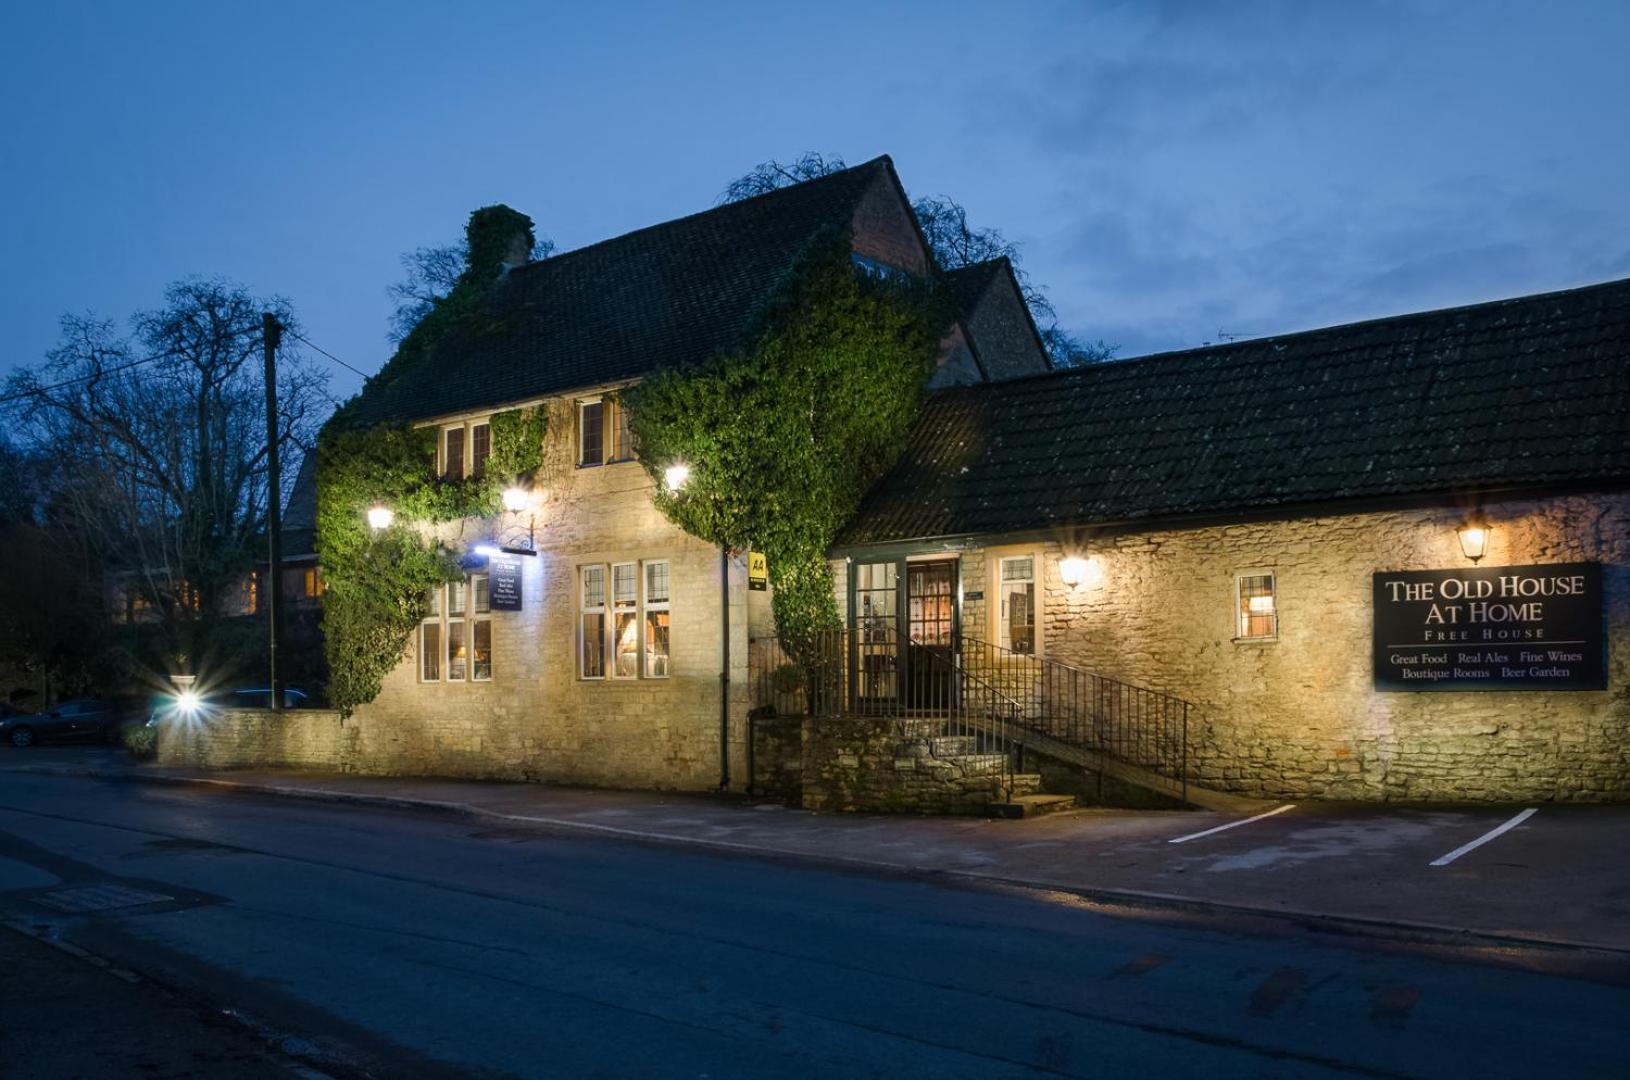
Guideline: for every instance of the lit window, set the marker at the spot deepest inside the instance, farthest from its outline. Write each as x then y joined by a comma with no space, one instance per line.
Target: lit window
1016,628
656,620
625,621
591,433
1258,607
430,640
459,617
623,632
592,628
480,448
622,440
313,585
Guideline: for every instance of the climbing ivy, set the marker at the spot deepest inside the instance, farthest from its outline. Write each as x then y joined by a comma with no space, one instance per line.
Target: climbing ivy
784,437
378,581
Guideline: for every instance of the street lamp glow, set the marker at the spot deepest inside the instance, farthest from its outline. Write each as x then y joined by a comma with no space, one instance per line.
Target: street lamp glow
1474,540
516,499
380,517
676,476
187,702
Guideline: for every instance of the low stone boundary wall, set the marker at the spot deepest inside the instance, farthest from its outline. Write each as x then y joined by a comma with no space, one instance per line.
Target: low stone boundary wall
896,766
258,738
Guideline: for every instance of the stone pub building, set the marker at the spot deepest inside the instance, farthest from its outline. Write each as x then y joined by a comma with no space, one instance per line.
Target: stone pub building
1388,560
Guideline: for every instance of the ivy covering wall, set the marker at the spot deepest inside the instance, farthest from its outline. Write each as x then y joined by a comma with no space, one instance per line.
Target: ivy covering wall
784,437
378,581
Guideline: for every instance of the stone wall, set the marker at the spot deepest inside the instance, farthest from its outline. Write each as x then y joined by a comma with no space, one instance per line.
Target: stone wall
536,719
259,738
897,766
1298,716
778,757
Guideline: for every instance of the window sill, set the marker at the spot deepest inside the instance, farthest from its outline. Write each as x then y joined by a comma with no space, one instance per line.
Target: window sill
1256,640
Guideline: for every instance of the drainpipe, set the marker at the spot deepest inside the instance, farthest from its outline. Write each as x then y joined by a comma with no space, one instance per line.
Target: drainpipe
724,670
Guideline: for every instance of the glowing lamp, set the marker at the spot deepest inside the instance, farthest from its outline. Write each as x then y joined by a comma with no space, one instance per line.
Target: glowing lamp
1474,538
488,550
187,702
516,499
676,476
1073,570
380,517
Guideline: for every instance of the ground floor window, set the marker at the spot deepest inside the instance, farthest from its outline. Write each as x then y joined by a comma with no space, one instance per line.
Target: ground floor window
623,625
455,637
1016,597
1258,606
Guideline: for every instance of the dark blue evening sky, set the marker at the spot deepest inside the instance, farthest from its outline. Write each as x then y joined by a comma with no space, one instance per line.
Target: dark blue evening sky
1171,169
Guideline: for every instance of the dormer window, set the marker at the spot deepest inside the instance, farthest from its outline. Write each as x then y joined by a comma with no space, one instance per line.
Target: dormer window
875,268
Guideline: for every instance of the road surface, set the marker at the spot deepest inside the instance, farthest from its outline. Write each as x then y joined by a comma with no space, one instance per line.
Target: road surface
408,944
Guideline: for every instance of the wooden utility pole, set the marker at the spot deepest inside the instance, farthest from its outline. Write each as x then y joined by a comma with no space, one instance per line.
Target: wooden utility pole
271,333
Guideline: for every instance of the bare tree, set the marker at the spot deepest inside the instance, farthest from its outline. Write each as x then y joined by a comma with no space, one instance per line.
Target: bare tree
158,443
774,175
431,274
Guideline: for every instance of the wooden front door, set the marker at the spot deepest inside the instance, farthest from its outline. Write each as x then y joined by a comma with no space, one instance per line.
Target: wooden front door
931,624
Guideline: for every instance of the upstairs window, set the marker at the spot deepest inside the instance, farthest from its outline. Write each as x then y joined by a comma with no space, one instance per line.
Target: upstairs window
1258,606
591,433
452,459
603,436
480,448
622,440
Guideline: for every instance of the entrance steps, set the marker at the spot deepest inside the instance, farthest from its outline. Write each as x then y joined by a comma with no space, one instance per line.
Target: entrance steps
1026,806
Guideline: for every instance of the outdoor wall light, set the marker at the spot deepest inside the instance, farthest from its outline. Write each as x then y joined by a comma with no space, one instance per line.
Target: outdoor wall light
1474,538
1080,570
516,499
488,550
380,517
676,476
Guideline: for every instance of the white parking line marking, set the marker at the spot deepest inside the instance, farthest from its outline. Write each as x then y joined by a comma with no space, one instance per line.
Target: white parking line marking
1233,824
1485,838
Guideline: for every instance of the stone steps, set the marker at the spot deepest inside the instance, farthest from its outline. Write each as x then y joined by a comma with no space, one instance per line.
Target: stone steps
1026,806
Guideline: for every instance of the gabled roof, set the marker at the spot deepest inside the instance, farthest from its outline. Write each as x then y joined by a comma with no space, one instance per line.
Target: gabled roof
667,295
1514,394
966,284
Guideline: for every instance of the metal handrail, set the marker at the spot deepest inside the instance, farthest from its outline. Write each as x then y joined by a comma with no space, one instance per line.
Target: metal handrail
977,688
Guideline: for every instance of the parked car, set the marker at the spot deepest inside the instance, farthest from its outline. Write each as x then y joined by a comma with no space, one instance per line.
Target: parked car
83,719
253,697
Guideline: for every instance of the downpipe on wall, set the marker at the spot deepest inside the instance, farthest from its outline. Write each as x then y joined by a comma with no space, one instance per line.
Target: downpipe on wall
724,670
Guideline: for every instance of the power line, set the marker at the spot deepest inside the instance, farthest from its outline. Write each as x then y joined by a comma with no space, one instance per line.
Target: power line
35,391
82,378
325,352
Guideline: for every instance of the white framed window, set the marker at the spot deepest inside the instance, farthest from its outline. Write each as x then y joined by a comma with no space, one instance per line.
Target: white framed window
603,435
463,449
657,619
430,638
591,635
1016,604
591,432
624,620
1257,610
455,636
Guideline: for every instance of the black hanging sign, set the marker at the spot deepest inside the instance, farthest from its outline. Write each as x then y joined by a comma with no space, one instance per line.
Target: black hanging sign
504,582
1491,628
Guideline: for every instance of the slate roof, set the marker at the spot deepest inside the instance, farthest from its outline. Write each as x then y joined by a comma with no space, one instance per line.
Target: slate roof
667,295
966,284
1521,393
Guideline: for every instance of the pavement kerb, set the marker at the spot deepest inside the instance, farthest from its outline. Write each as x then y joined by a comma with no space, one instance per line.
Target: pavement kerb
1323,921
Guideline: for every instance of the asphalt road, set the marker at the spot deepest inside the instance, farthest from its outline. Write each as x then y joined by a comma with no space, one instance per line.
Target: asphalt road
405,945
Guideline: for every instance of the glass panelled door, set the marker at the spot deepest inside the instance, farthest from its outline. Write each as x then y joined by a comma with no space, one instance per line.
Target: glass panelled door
931,590
875,660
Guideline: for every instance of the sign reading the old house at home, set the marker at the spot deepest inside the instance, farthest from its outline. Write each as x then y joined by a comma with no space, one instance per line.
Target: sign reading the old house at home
1490,628
505,582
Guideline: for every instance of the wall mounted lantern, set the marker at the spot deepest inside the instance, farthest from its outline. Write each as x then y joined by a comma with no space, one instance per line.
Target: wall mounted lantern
1474,538
516,499
380,517
1073,570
